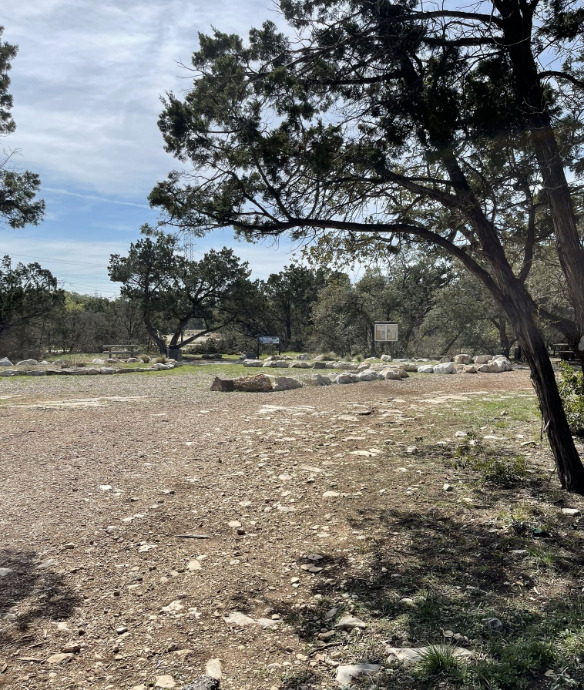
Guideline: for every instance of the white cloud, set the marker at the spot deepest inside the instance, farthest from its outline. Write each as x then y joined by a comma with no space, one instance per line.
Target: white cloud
81,265
88,78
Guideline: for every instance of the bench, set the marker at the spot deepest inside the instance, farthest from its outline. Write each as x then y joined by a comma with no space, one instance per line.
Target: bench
117,350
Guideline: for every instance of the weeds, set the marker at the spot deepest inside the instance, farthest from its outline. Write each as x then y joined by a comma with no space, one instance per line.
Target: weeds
439,660
571,388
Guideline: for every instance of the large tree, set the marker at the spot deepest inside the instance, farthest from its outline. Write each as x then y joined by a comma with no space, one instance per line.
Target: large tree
27,292
172,289
292,292
399,120
18,190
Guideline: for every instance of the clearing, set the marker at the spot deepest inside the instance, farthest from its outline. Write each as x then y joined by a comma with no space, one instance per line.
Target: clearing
313,504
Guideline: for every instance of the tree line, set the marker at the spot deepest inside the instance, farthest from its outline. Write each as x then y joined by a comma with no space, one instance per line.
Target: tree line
168,302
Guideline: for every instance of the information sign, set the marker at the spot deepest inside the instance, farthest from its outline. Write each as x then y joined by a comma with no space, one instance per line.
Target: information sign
385,332
269,340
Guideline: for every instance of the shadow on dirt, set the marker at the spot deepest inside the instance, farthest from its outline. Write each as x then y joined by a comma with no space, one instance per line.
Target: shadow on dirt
31,590
424,578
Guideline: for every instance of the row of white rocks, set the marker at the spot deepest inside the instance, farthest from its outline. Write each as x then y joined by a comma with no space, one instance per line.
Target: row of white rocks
59,367
462,364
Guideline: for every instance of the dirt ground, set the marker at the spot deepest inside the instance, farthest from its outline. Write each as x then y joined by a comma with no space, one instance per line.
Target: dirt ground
280,497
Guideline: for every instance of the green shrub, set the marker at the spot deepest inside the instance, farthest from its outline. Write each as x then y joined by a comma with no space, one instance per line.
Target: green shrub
572,392
500,470
439,660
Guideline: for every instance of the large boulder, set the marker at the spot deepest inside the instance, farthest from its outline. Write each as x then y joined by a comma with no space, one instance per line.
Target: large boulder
253,384
252,363
502,363
276,363
446,358
347,378
318,364
482,359
303,357
462,359
496,365
300,364
409,366
342,365
386,358
27,363
368,375
425,369
5,362
444,368
392,374
466,369
222,385
285,383
317,380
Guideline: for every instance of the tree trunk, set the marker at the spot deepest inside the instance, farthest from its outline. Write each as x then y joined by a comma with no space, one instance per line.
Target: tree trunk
517,26
568,464
155,335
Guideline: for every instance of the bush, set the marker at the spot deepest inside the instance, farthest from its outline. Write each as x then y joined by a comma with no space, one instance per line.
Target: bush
572,392
501,470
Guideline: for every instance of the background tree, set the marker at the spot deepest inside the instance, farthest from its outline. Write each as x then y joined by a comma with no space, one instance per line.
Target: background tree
173,290
17,190
28,293
292,293
433,124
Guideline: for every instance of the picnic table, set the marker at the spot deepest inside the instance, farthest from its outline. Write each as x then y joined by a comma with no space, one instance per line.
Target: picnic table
120,350
563,351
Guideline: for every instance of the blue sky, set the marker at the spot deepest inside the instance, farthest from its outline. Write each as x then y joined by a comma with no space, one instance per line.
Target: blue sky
86,84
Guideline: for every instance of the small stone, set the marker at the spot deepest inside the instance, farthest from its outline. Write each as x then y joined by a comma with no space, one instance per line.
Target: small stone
174,607
330,494
326,636
570,512
350,622
493,624
238,618
165,682
59,658
71,648
213,669
194,564
234,523
105,487
121,630
347,674
329,615
407,601
4,572
69,546
447,487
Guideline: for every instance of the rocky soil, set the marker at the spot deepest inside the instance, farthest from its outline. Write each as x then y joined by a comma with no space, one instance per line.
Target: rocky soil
149,524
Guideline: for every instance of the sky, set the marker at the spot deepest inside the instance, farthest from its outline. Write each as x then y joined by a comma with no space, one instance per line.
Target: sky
86,83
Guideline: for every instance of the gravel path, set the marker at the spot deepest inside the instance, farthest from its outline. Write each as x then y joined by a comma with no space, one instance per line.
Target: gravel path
101,474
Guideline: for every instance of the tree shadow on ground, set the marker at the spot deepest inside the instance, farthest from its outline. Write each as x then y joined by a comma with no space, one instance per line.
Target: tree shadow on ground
422,578
31,590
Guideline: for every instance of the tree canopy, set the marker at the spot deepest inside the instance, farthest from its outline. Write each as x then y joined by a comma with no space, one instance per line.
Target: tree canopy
18,190
441,125
172,289
26,292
